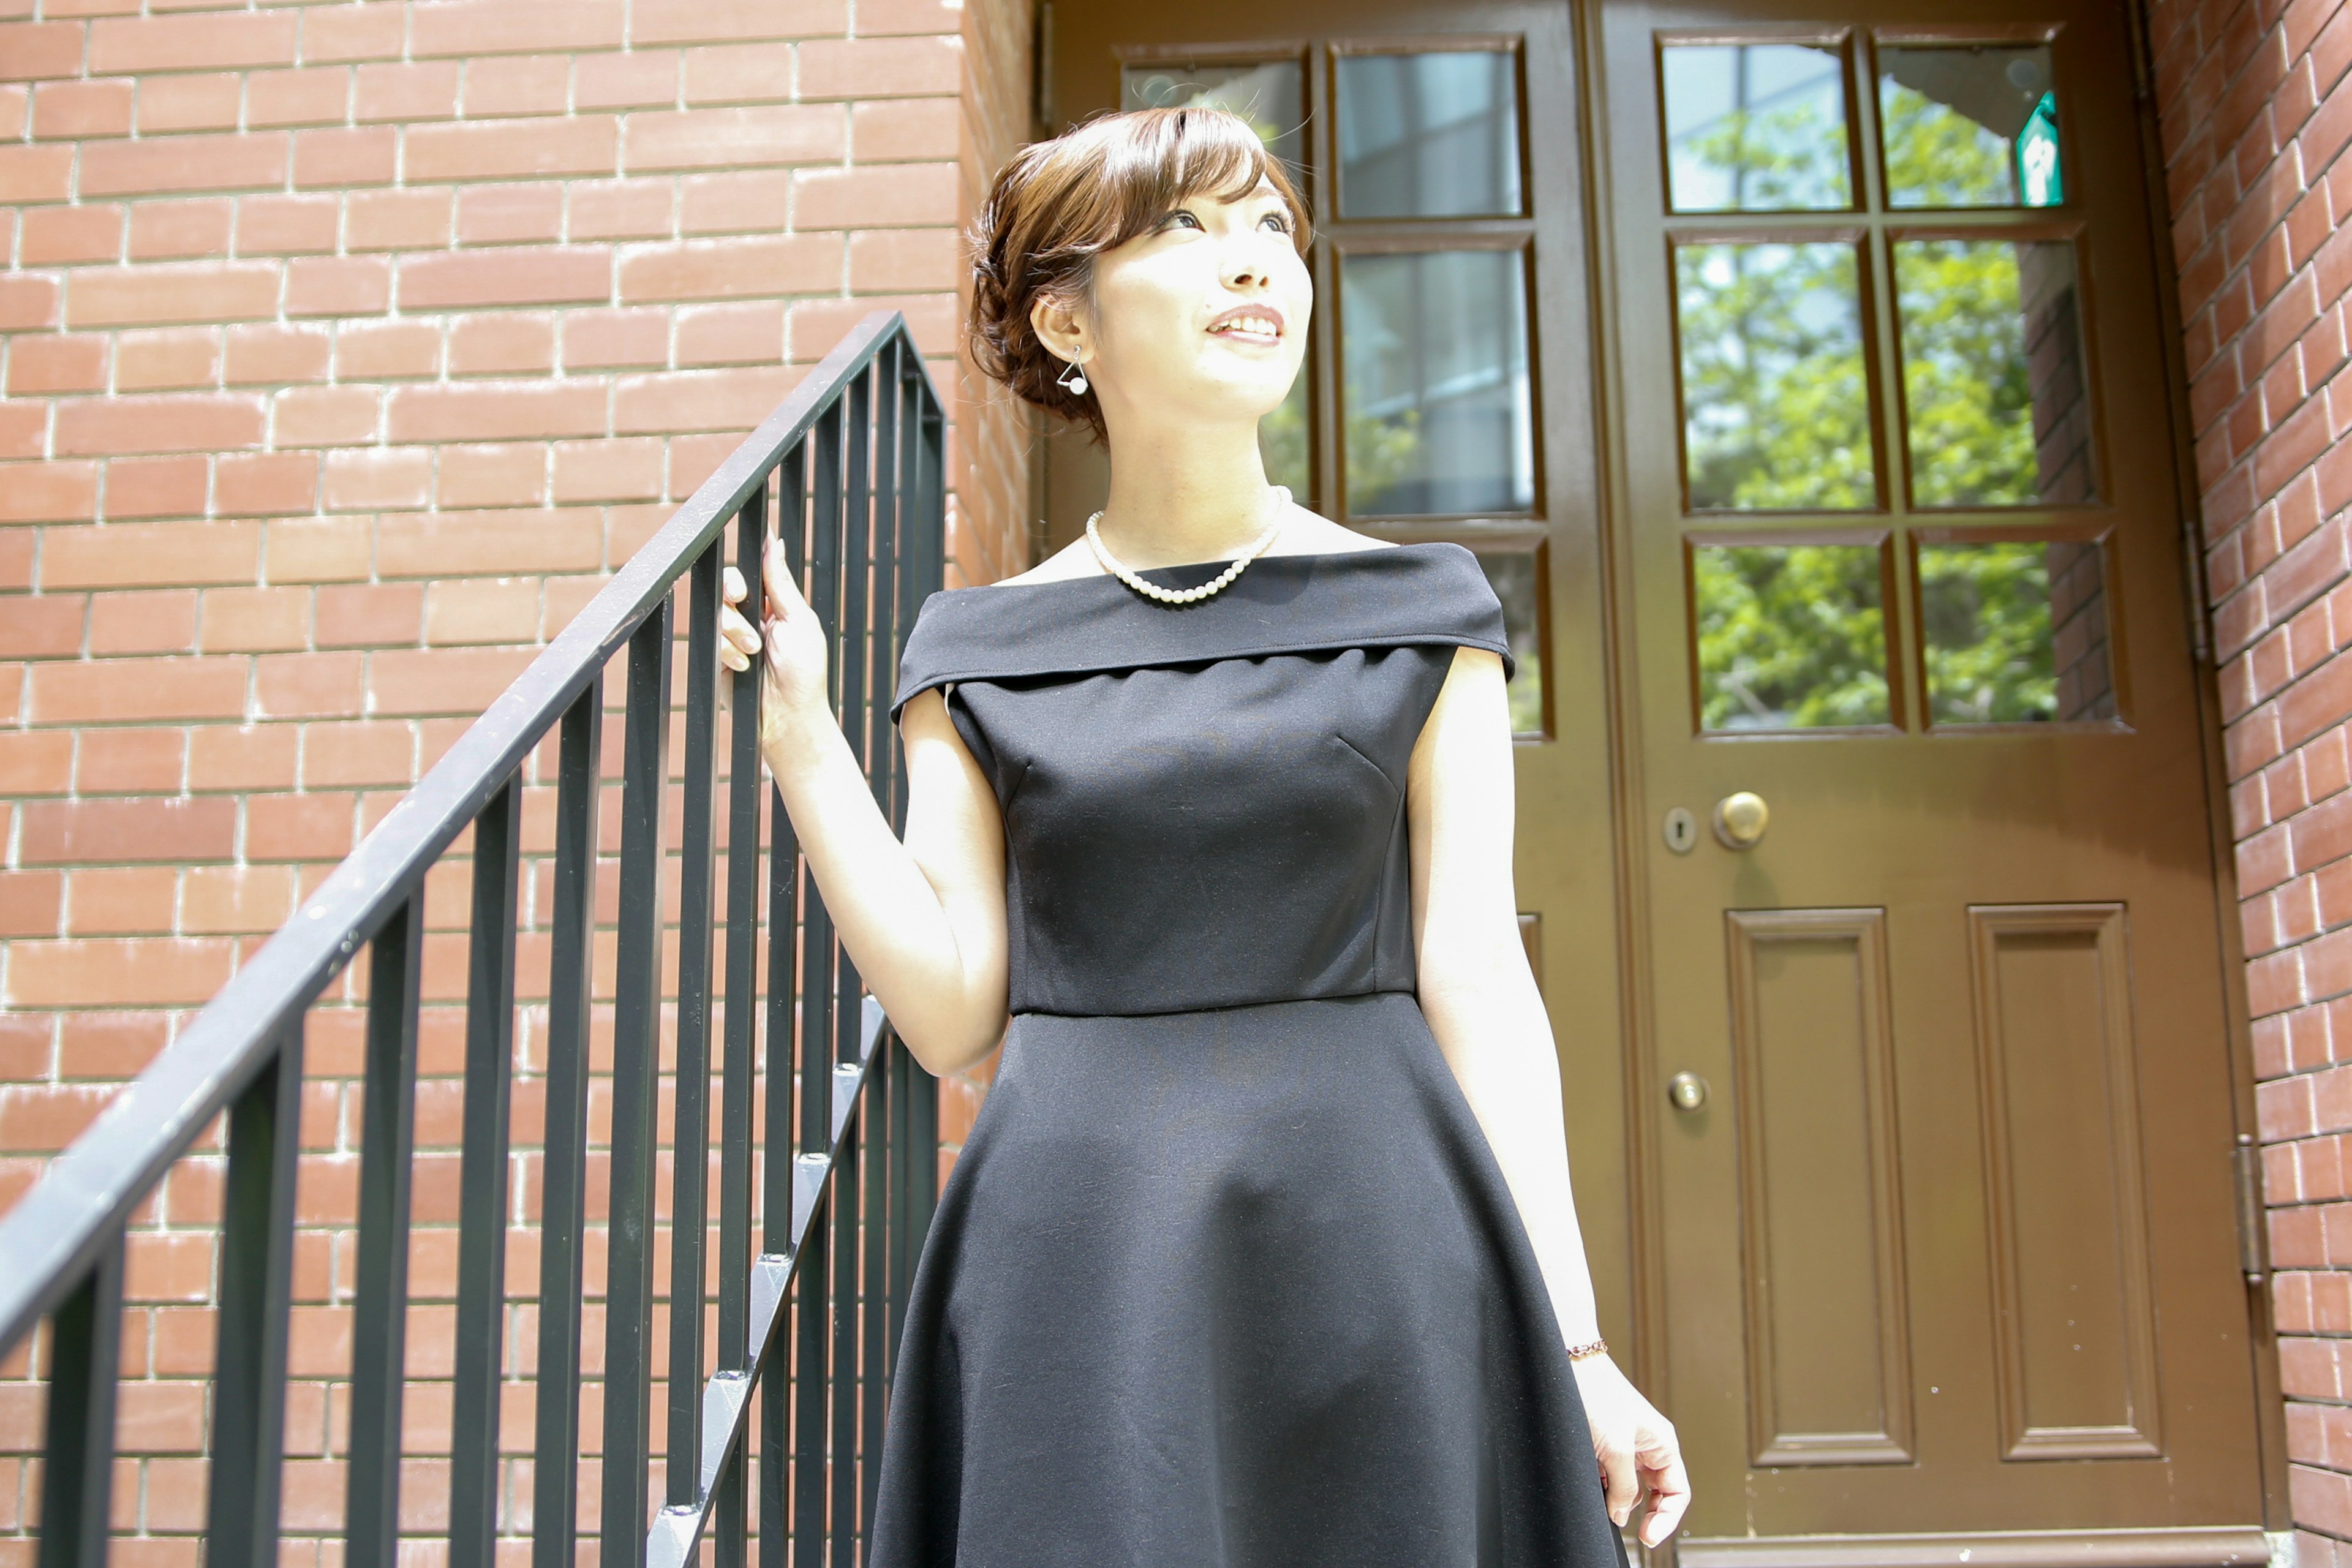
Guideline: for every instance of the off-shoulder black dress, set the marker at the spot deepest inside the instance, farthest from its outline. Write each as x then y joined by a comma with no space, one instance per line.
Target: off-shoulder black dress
1226,1275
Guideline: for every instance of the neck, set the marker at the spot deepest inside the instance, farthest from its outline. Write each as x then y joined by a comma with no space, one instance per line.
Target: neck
1184,493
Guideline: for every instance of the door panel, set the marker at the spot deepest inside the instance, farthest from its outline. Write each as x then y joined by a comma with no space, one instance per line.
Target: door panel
1829,1378
2063,1171
1947,1248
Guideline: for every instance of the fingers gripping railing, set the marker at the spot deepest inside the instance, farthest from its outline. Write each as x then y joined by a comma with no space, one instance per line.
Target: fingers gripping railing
849,471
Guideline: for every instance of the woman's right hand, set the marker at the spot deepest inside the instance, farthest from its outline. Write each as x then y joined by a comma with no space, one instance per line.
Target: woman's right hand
793,673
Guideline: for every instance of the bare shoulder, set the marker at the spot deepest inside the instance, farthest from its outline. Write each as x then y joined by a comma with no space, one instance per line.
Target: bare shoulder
1307,532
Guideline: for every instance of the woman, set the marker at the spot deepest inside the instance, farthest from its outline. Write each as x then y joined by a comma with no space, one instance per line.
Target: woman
1213,809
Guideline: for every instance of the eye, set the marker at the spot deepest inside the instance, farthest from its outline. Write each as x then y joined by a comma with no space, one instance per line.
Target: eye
1279,219
1178,216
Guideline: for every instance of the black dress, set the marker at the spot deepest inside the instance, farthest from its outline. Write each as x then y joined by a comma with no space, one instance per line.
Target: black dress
1226,1275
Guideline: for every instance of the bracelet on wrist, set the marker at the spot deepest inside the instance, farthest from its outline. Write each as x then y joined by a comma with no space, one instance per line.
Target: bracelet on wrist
1590,1347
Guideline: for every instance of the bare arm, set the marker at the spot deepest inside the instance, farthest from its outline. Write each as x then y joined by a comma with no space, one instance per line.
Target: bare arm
923,919
1488,1019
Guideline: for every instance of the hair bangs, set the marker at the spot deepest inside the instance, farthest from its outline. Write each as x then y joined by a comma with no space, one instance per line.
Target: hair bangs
1153,160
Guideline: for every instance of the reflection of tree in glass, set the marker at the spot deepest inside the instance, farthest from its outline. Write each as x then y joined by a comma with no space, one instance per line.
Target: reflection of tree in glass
1985,612
1967,389
1382,449
1938,157
1789,636
1282,442
1777,160
1775,402
1512,574
1526,693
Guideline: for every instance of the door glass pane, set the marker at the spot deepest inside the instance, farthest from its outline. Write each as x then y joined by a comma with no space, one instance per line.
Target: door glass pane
1282,442
1972,126
1268,94
1790,636
1996,406
1776,405
2015,632
1754,127
1513,576
1429,135
1438,415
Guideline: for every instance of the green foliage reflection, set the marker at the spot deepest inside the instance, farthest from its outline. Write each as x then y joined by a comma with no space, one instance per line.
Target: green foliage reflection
1938,157
1775,402
1282,443
1789,636
1984,611
1967,380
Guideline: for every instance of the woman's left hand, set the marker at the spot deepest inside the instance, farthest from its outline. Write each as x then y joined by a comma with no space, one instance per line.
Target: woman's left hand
1639,1452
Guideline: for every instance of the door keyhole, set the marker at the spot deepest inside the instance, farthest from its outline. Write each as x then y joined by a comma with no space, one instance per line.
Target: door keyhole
1681,830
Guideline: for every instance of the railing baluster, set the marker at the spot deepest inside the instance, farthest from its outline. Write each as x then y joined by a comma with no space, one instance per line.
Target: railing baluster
874,1127
929,492
555,1496
380,1309
77,1477
818,951
636,1047
848,1016
888,394
917,574
737,1068
776,1191
856,641
483,1186
898,1067
844,1393
809,1390
248,1440
883,1175
917,568
690,1131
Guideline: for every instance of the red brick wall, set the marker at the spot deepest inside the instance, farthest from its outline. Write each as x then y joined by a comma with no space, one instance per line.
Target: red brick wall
2256,111
344,350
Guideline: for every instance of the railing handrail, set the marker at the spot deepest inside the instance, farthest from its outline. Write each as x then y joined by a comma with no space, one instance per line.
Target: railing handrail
55,1234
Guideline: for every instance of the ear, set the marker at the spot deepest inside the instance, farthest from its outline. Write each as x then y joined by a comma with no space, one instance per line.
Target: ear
1057,323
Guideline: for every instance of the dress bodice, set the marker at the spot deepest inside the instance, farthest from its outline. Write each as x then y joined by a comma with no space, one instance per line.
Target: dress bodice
1203,803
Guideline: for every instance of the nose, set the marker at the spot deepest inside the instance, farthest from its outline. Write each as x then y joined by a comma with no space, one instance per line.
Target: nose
1247,267
1246,261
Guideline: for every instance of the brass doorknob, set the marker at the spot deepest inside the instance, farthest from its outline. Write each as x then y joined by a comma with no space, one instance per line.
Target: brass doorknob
1740,819
1687,1091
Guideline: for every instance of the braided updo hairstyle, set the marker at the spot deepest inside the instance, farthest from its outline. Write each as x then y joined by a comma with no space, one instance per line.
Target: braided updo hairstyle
1059,204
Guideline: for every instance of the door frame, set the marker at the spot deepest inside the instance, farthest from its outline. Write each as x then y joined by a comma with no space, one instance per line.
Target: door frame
1637,853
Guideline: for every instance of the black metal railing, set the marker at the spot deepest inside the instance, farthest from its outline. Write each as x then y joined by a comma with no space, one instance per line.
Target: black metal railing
807,1313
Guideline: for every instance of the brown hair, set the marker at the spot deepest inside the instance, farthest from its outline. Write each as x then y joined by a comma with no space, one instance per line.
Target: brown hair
1057,204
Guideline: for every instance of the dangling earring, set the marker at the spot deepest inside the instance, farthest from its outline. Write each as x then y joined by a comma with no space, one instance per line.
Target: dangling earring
1072,380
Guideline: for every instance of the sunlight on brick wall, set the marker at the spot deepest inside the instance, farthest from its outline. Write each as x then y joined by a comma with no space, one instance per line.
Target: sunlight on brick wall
344,350
2256,110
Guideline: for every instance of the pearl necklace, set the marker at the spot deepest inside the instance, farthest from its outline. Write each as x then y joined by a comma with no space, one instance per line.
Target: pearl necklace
1182,596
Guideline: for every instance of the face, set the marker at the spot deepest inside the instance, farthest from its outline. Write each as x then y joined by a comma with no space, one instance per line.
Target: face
1202,318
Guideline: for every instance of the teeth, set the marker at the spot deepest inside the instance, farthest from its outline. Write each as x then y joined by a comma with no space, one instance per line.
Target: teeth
1251,324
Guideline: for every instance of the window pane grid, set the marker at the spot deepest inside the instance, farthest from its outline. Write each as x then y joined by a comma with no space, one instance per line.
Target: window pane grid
1791,370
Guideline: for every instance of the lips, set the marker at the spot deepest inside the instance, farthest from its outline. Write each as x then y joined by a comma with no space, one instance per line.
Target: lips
1247,325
